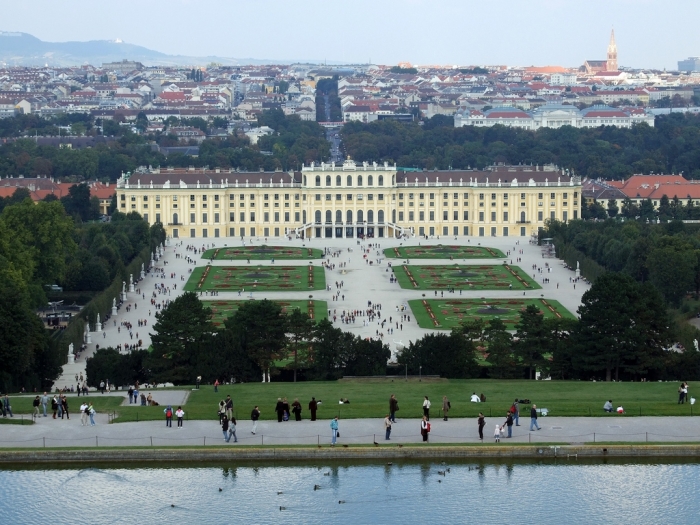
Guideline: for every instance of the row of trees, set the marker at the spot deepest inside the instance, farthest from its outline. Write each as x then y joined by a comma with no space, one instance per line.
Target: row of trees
257,338
668,210
673,145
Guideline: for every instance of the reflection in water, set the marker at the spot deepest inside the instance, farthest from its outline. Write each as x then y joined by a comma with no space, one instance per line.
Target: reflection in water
452,492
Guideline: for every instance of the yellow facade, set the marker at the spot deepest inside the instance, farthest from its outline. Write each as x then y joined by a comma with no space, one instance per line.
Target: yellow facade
352,200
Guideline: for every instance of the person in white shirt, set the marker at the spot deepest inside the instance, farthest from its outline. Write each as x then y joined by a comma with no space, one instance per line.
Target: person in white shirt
475,398
426,408
83,414
179,413
608,406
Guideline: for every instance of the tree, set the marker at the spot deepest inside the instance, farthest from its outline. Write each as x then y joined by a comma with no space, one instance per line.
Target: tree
299,333
532,342
673,269
500,350
366,358
612,207
623,325
329,346
451,356
260,327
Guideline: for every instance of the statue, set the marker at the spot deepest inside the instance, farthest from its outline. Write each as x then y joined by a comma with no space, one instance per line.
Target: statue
131,283
98,318
71,355
98,324
695,343
123,287
141,267
114,306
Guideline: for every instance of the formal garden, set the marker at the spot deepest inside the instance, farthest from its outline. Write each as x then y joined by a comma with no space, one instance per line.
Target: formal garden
445,314
222,310
247,279
264,252
443,252
464,277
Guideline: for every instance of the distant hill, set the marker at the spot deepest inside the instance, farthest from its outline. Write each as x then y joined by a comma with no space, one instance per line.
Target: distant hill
22,49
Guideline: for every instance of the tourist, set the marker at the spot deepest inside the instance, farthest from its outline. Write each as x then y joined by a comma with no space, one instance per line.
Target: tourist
482,398
216,385
533,418
608,406
620,410
279,408
482,423
387,427
296,409
84,414
424,428
682,391
475,398
91,412
6,407
169,416
222,410
254,416
497,433
285,408
334,430
130,392
179,413
102,387
393,407
143,399
426,408
149,400
445,407
54,406
232,430
36,404
515,410
64,406
229,407
136,394
313,406
509,423
44,402
224,428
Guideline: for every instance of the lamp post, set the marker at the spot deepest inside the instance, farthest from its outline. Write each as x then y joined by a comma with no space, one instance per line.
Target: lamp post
406,372
420,373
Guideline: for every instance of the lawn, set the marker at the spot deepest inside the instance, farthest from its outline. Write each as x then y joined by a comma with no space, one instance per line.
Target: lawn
23,404
264,252
222,310
370,398
464,277
443,252
444,313
256,278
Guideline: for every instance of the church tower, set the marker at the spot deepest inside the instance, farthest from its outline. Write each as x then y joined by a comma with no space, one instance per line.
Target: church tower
612,53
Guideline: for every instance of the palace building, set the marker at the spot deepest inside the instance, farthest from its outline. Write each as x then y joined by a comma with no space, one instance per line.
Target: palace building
351,201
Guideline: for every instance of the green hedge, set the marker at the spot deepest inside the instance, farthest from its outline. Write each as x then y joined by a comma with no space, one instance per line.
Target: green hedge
590,269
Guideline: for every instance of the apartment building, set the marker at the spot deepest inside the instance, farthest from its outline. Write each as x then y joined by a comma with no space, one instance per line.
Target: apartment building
351,200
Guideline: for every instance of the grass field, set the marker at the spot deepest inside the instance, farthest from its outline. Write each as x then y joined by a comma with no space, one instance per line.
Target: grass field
222,310
443,252
23,404
264,252
256,278
464,277
444,314
370,398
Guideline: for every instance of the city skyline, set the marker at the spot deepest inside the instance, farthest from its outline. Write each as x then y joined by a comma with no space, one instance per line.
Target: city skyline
549,32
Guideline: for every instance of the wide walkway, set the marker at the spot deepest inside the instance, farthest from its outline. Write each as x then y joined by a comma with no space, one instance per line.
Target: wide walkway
69,433
362,282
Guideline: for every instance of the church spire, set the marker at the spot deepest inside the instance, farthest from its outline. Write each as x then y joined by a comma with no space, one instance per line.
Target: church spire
612,53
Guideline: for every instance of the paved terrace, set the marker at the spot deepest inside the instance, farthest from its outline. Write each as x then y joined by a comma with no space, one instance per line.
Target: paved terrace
362,283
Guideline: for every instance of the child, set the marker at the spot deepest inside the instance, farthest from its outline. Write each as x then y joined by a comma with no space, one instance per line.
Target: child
180,414
497,433
168,416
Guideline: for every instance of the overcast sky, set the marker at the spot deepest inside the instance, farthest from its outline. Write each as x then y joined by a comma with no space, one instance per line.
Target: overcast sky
649,33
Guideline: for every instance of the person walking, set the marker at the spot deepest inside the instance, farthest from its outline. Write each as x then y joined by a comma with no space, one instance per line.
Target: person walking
426,408
179,413
36,404
222,410
393,407
285,409
254,416
224,428
279,408
533,418
334,430
515,410
91,413
232,430
424,428
387,428
296,409
54,406
102,387
44,402
313,406
130,392
216,385
445,407
482,423
169,416
84,414
229,407
7,408
509,423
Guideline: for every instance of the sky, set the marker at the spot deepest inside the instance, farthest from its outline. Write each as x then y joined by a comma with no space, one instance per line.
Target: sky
649,33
